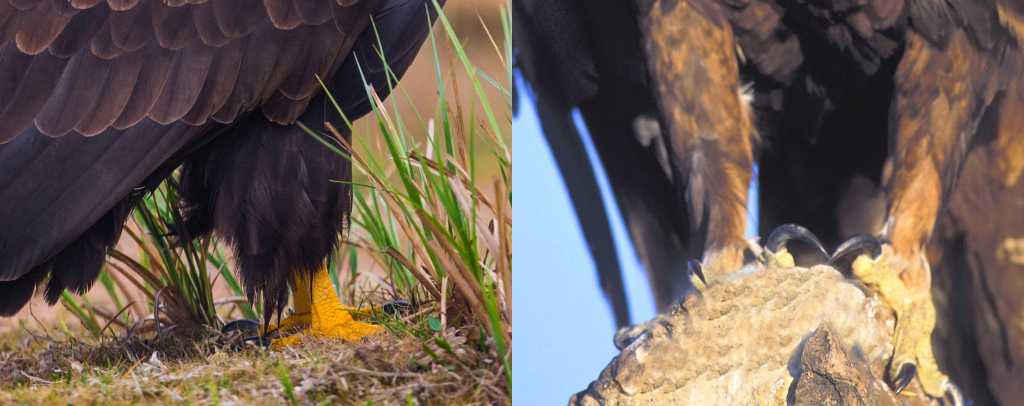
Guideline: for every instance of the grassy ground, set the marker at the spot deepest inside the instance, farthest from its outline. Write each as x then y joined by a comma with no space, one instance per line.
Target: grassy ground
208,369
432,225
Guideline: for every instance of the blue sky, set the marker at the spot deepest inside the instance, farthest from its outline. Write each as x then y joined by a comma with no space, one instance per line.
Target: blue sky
563,325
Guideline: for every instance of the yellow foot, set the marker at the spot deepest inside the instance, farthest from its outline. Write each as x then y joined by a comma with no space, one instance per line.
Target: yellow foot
319,313
915,321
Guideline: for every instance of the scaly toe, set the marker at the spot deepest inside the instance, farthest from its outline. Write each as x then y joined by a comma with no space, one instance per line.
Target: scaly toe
294,322
915,321
338,326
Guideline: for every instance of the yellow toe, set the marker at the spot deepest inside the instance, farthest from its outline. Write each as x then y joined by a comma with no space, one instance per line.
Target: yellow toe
326,316
915,320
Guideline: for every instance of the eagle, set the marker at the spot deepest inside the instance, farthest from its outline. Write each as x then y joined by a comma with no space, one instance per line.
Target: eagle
858,114
101,100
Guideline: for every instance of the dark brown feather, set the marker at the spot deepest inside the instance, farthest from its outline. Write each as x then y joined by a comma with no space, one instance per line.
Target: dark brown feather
31,80
283,14
24,5
78,32
122,5
261,54
102,44
206,25
73,98
280,109
237,18
150,84
318,60
124,72
39,27
173,25
187,77
219,84
131,29
84,4
291,59
313,12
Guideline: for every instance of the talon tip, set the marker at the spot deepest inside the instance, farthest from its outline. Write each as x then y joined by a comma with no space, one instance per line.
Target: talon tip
788,232
953,392
904,376
855,246
693,266
243,325
397,307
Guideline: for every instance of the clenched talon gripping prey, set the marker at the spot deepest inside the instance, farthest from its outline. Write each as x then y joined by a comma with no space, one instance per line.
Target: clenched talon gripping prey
100,100
858,116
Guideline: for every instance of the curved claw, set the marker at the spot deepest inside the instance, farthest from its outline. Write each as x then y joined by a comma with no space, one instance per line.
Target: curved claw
855,246
904,376
787,232
694,268
246,326
953,392
397,307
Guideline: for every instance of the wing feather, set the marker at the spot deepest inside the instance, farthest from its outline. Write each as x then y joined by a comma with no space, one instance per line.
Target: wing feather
124,72
283,14
173,25
30,80
317,59
206,25
150,84
261,55
237,18
122,5
86,66
74,98
103,46
188,75
219,84
313,12
38,28
78,33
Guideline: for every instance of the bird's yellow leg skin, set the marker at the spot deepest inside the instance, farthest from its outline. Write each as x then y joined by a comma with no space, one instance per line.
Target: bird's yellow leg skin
327,317
915,318
301,301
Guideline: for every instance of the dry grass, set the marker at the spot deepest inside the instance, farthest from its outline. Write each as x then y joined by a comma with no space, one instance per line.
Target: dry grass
210,369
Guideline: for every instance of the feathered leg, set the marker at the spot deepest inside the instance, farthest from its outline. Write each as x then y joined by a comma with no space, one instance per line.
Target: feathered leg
271,192
693,64
940,97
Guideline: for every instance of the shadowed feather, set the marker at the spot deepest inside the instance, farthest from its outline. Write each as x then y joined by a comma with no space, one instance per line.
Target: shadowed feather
100,100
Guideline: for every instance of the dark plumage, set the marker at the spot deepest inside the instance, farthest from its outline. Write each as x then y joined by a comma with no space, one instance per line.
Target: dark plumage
101,100
859,114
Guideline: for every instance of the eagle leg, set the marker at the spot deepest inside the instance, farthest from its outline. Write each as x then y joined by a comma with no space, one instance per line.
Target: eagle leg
938,93
691,54
319,313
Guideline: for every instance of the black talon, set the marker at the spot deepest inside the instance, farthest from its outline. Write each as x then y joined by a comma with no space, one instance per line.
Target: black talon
246,326
787,232
903,378
693,266
855,246
397,307
954,392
